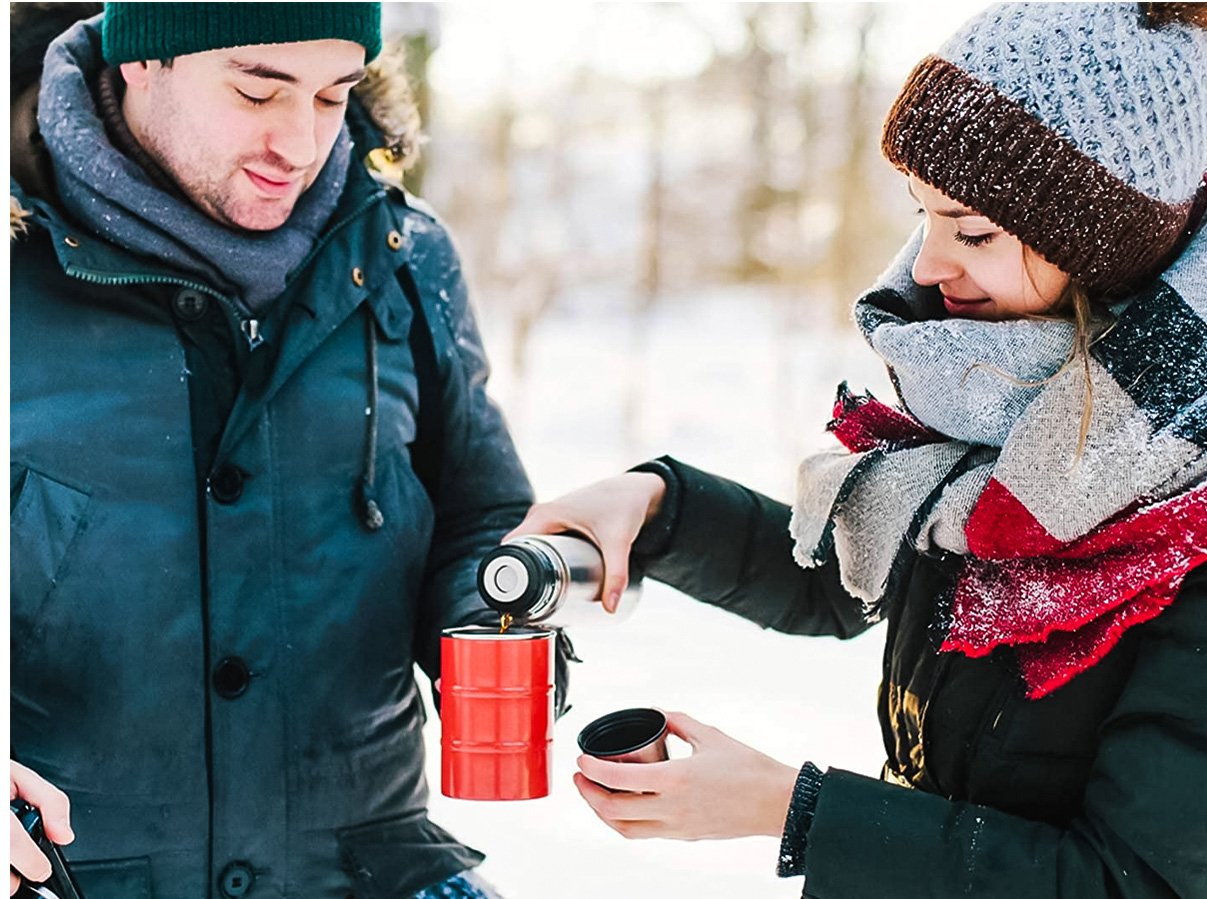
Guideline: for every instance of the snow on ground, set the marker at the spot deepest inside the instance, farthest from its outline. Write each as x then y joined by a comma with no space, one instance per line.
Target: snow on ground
729,386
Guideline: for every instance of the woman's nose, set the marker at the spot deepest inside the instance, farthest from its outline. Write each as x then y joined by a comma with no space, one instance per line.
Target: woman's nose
933,265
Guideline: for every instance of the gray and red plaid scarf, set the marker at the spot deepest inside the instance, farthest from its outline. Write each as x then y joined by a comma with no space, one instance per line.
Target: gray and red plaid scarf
1063,550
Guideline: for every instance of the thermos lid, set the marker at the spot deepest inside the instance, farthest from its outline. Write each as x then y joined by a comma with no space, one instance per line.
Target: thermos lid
622,732
511,578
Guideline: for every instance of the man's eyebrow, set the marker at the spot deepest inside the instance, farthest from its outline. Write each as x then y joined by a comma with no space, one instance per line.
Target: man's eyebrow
259,70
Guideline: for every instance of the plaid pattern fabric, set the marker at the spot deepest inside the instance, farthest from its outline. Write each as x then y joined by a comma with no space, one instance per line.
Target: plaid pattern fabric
466,885
1066,546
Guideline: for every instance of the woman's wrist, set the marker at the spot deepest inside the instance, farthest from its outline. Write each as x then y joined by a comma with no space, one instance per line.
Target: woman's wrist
655,490
781,783
662,509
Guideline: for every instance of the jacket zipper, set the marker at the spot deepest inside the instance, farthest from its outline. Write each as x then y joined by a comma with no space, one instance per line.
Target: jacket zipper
251,330
250,327
941,666
943,662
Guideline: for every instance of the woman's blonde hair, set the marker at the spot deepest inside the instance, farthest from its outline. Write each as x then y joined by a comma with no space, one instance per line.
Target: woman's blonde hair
1090,323
1088,327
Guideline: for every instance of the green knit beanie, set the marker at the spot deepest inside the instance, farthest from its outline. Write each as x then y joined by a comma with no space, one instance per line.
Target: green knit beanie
135,31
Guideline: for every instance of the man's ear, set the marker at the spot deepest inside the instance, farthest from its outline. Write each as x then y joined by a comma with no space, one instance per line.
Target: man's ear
136,74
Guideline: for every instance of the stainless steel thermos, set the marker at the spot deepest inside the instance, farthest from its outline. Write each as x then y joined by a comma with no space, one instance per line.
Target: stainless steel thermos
549,579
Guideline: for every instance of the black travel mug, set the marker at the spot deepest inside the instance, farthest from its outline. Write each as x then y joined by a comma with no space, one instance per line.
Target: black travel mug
60,885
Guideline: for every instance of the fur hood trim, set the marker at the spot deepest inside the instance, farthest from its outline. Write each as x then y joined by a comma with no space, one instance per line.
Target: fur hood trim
17,214
389,99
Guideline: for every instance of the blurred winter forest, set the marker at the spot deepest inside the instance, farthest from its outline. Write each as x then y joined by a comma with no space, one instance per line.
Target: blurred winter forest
642,169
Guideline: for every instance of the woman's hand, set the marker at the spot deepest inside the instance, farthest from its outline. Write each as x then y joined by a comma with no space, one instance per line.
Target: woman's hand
25,858
610,513
723,790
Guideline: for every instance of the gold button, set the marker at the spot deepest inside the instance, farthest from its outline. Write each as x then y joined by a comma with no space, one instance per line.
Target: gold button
71,241
394,240
358,277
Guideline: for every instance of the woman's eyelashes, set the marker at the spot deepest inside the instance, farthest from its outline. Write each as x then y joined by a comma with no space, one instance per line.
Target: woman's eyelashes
974,240
968,240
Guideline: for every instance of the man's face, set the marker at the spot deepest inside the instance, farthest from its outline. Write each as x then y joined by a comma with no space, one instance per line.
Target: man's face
244,131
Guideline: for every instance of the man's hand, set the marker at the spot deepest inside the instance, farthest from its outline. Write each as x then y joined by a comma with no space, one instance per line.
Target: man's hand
723,790
25,858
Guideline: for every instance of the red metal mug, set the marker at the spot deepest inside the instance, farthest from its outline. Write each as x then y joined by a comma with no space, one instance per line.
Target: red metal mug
496,712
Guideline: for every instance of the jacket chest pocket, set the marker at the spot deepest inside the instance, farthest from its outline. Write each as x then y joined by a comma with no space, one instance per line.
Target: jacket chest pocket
1065,724
46,517
1034,756
1032,760
128,878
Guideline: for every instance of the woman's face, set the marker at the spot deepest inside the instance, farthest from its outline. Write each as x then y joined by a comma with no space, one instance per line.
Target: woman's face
981,270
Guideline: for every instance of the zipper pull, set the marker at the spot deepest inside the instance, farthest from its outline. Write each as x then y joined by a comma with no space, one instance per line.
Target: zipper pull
251,330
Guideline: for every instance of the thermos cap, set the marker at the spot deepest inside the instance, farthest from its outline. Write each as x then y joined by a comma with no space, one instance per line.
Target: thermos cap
512,576
622,732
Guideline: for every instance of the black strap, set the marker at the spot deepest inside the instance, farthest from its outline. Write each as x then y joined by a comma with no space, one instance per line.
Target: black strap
427,449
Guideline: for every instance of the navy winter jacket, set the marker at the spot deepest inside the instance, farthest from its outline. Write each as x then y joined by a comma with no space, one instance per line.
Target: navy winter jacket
212,650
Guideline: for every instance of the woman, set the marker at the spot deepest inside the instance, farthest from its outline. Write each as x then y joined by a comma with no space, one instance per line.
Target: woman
1030,524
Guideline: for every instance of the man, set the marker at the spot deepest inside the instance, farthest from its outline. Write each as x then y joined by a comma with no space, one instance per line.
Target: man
253,463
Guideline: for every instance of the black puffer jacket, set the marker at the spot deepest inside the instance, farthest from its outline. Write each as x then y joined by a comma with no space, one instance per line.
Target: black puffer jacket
1097,790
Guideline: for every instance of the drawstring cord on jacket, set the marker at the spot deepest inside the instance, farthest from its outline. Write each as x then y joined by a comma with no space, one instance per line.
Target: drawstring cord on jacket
370,511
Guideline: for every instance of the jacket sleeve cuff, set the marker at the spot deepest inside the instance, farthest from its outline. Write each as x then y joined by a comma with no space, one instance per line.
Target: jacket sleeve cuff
655,535
800,817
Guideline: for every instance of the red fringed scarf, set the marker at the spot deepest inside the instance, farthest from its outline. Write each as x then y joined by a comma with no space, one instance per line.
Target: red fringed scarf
1063,605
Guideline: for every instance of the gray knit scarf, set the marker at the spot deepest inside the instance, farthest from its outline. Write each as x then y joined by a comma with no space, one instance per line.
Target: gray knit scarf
124,203
1001,410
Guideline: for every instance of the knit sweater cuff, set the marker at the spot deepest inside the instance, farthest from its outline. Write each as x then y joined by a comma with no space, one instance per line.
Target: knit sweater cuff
800,817
655,535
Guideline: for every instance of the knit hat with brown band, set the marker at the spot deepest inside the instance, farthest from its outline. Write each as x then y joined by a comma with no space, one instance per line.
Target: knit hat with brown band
1080,128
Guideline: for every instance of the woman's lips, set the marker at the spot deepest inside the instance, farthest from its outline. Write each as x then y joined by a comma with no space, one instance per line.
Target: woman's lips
269,186
958,306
